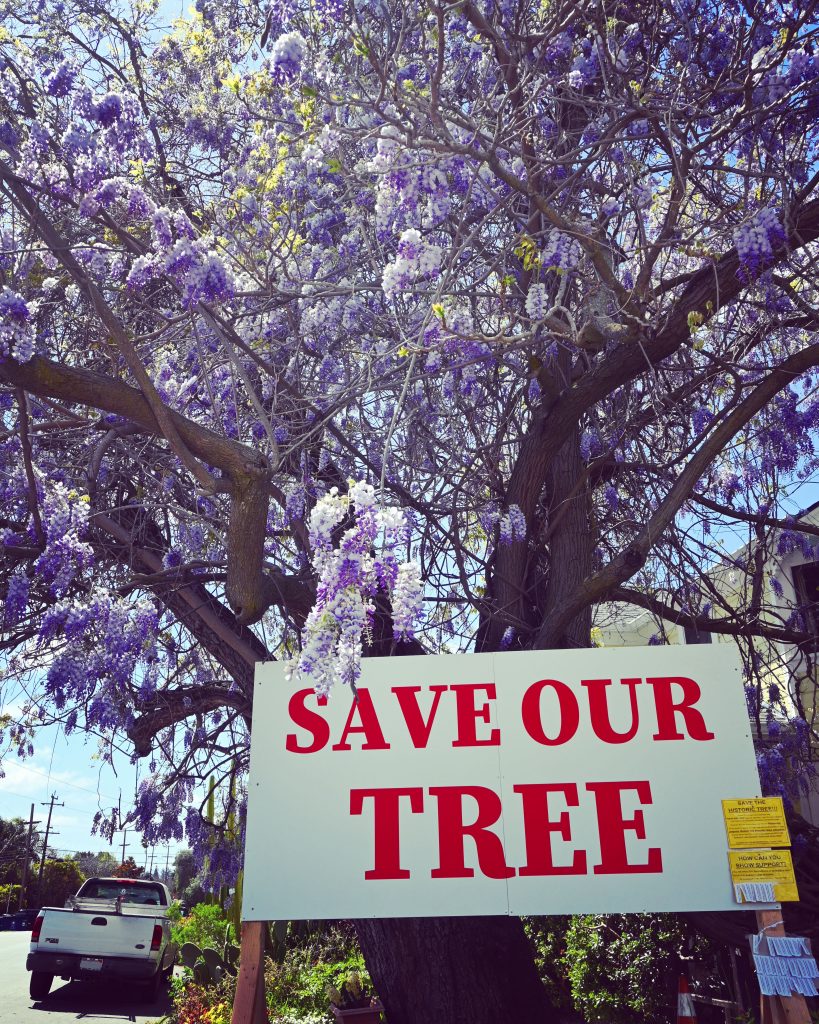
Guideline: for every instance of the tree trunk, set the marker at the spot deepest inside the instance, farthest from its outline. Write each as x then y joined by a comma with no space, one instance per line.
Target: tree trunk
570,543
454,970
480,970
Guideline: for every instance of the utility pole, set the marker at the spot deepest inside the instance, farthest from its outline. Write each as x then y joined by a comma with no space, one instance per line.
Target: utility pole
27,857
52,804
124,844
167,860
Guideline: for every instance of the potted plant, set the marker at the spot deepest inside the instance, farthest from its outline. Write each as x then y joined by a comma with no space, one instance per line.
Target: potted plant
353,1002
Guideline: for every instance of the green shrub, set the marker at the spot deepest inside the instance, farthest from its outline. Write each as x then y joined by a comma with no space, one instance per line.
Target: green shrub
297,984
623,968
206,925
9,897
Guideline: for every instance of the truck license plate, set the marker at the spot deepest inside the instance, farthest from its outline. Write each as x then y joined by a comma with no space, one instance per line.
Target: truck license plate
89,964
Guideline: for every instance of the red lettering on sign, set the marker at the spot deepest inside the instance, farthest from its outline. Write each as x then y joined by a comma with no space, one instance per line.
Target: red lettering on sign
612,828
452,832
418,729
302,716
599,709
468,715
538,827
363,707
667,709
569,713
386,826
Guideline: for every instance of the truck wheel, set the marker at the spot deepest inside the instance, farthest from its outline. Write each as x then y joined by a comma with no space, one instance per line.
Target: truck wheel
40,984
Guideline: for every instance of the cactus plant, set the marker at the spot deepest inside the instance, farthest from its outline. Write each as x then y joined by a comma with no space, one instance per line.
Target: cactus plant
208,965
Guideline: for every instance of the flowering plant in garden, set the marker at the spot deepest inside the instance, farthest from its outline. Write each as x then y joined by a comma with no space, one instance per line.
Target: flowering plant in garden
540,279
353,993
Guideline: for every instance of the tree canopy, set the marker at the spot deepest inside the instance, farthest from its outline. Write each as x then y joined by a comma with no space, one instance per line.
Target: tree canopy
533,283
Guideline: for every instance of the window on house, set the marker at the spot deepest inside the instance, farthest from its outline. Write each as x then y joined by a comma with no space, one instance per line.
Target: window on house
697,636
806,585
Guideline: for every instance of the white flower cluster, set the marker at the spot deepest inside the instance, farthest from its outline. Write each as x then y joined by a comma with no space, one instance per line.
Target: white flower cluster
316,153
352,566
757,238
536,302
416,259
406,598
386,150
288,51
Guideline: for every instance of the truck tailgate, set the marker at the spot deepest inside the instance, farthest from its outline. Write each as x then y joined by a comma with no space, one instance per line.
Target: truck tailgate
96,934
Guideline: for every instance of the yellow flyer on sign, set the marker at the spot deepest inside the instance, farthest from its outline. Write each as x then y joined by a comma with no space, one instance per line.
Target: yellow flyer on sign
773,866
757,821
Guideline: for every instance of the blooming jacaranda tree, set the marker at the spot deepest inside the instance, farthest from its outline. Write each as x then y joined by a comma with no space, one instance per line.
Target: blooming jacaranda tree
338,328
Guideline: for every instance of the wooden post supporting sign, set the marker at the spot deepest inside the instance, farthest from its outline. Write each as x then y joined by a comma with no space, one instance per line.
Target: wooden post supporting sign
779,1009
249,1002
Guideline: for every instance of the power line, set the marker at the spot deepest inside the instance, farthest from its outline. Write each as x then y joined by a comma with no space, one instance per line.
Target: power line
73,785
86,849
27,796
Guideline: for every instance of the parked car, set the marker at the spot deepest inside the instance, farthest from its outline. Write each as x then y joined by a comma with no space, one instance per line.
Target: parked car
113,928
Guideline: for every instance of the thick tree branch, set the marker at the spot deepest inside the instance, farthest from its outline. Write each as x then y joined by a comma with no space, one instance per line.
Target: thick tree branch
237,649
173,706
705,624
85,387
711,289
33,212
629,561
248,591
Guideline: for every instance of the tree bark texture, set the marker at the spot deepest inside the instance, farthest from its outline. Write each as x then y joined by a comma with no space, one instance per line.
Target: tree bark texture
480,970
570,542
454,970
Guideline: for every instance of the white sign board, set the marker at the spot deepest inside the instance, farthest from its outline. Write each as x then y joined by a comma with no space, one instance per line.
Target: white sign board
543,782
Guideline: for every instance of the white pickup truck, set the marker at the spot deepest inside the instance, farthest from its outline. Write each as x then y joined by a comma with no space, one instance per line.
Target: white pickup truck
114,928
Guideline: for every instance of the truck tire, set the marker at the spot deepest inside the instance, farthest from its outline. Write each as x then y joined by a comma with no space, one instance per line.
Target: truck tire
40,984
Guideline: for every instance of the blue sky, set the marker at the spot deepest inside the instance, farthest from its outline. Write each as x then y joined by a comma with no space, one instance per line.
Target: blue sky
69,767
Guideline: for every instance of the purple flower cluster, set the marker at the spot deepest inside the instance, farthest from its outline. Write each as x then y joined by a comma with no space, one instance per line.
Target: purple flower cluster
561,252
784,759
14,606
61,81
108,110
512,526
65,521
756,241
16,326
106,639
591,444
199,272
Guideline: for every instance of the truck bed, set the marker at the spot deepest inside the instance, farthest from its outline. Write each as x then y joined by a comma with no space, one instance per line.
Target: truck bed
97,932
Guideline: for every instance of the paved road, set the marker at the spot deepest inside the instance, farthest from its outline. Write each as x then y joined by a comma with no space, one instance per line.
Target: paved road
68,1001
